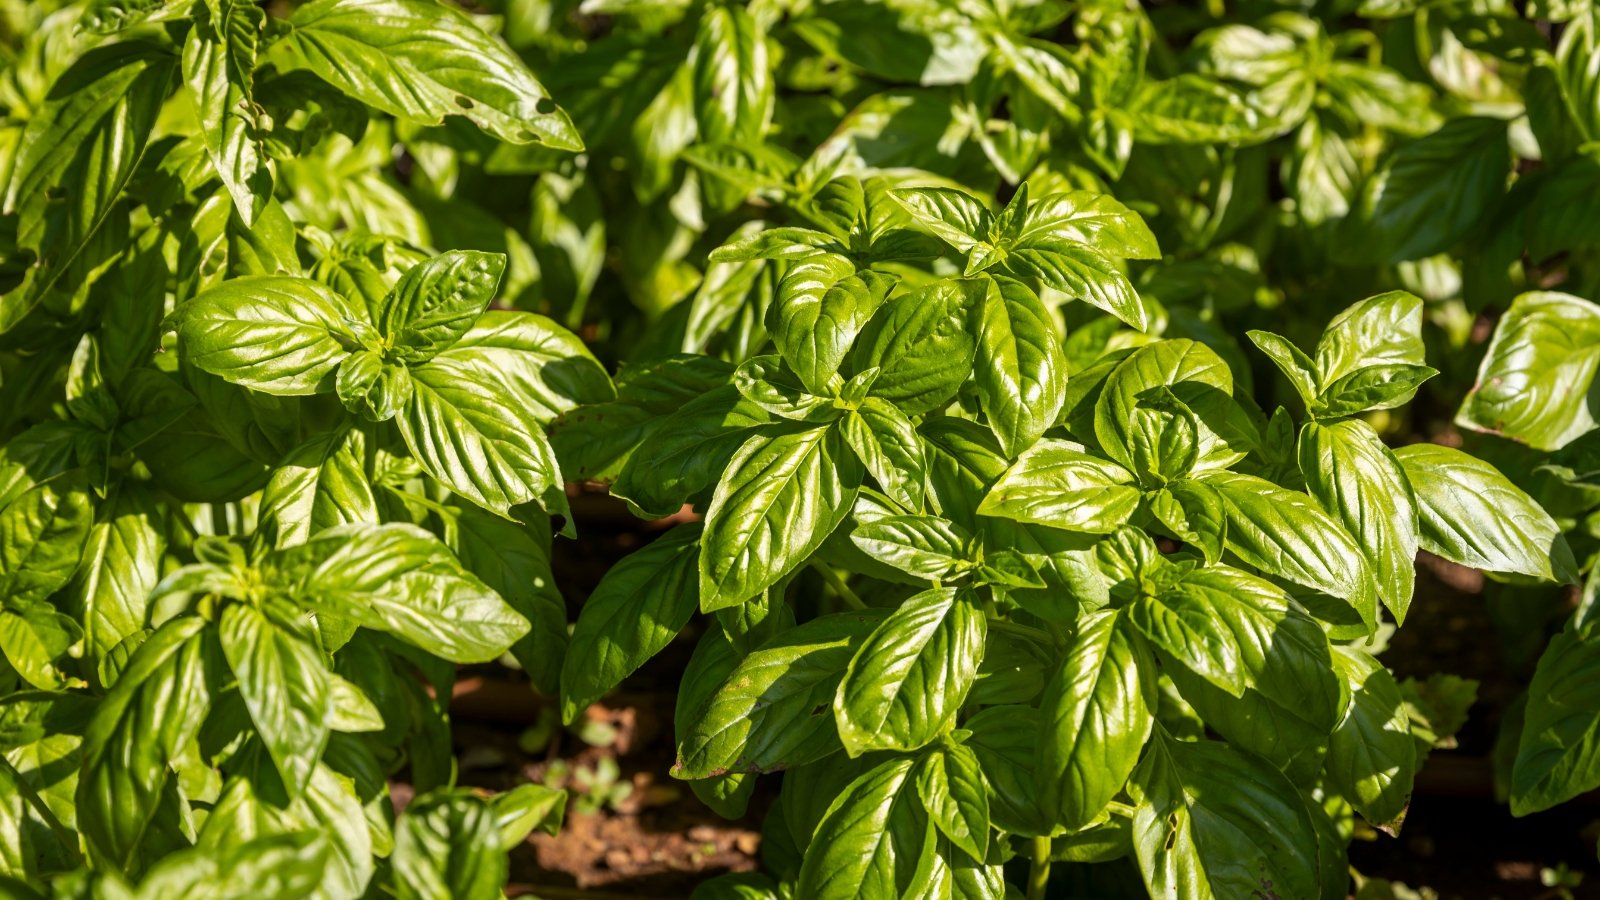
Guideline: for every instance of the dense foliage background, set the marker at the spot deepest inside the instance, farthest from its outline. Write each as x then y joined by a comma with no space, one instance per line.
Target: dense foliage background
1025,419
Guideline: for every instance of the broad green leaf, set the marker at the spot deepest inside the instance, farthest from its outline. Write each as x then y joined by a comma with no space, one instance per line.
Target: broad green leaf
887,444
1372,755
634,612
956,217
273,333
285,684
1372,387
153,711
875,840
1359,482
33,844
733,78
1472,515
401,579
689,451
1081,272
1055,483
435,303
1291,361
783,493
908,680
75,155
920,346
954,792
515,561
1096,716
1284,534
424,61
1195,513
822,304
33,635
765,715
927,547
1148,434
1005,739
1537,377
119,569
219,59
1428,193
1021,371
320,484
447,844
1096,220
1212,821
42,537
1557,757
1385,329
274,867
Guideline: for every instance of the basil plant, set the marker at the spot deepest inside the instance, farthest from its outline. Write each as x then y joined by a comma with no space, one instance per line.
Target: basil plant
975,603
272,466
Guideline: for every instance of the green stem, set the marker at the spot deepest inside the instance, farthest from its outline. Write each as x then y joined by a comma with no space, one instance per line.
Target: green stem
1039,875
837,585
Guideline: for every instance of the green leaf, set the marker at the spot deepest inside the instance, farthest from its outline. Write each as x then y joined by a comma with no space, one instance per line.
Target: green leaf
448,845
274,867
920,346
689,451
320,484
956,217
1385,329
154,711
889,448
1472,515
822,304
927,547
1371,755
1195,514
783,493
1004,738
634,612
1428,193
121,564
435,303
75,156
1359,482
219,59
1556,757
1291,361
1083,273
400,579
953,790
286,686
1055,483
1096,716
1212,821
1372,387
423,61
771,710
1283,533
42,536
1537,378
874,840
733,78
908,680
371,389
1150,434
768,383
273,333
1021,370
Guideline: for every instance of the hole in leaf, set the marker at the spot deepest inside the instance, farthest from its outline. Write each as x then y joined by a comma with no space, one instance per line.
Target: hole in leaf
464,102
545,106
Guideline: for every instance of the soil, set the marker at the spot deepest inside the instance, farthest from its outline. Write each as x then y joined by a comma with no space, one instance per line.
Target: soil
660,840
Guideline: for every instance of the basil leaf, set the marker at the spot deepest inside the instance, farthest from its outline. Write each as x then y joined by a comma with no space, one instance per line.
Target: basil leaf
1555,759
45,530
764,716
219,59
286,686
881,814
920,346
320,484
1056,484
927,547
1021,370
822,304
889,448
1371,755
1213,821
954,792
422,61
1149,436
783,493
1537,376
634,612
515,561
435,303
272,333
908,679
1473,515
1097,715
1360,482
733,79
